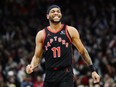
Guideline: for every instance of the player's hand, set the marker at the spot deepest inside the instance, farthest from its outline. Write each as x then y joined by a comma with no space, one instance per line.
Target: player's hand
96,77
29,69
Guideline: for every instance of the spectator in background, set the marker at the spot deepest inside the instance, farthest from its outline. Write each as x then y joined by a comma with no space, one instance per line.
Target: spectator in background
21,19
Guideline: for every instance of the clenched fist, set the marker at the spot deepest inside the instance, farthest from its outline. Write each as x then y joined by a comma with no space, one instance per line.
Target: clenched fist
96,77
29,69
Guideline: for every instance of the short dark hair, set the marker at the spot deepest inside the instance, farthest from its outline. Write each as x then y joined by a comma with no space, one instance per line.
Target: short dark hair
52,6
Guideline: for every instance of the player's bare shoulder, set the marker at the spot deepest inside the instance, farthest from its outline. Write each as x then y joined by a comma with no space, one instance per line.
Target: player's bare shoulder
40,35
72,31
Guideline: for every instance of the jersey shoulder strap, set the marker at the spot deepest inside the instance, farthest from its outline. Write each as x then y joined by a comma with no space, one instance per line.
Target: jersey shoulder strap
67,33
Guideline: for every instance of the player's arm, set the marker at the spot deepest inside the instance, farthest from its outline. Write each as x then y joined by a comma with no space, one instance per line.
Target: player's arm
37,54
82,50
78,44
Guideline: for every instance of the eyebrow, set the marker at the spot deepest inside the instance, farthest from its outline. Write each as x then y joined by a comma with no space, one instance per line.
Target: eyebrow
57,10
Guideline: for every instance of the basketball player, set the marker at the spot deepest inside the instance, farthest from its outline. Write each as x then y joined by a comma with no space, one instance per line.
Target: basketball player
56,42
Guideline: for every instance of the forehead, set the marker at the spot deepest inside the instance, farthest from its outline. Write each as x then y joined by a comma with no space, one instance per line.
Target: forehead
55,9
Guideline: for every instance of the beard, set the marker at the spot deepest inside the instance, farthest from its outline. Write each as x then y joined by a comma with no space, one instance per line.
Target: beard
53,21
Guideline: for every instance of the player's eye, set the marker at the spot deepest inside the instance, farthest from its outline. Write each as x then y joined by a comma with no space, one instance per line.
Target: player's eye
58,11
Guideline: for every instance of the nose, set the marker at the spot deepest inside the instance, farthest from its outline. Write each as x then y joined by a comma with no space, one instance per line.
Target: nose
55,12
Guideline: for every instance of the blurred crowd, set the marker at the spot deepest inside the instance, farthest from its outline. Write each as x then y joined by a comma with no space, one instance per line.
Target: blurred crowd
20,20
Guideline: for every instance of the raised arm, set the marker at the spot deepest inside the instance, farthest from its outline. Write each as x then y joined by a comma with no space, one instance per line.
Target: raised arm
82,50
38,52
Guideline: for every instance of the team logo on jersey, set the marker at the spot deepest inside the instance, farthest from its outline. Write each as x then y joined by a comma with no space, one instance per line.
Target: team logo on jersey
56,39
62,32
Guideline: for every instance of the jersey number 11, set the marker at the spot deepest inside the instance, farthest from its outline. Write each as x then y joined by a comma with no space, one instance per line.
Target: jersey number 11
56,52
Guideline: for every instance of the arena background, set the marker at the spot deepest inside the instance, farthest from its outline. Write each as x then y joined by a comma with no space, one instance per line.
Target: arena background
20,20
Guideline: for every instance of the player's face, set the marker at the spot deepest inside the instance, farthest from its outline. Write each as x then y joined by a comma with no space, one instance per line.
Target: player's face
55,15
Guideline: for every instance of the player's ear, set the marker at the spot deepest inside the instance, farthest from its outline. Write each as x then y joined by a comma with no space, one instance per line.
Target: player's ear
47,16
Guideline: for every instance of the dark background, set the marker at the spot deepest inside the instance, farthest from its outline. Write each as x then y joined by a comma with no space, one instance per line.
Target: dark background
20,20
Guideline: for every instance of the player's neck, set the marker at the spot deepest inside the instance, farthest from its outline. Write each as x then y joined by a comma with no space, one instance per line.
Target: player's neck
55,26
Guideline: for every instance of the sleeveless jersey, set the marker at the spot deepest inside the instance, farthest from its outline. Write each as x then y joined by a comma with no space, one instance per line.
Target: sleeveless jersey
57,48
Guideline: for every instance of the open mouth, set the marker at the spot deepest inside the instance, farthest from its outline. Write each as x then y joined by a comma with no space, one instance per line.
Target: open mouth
56,17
